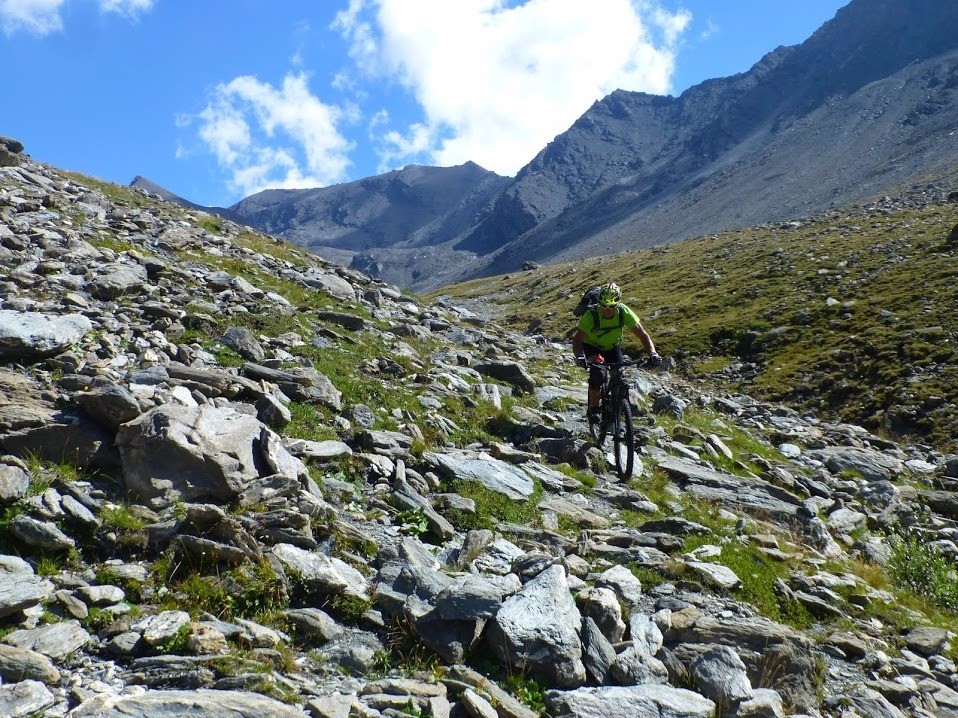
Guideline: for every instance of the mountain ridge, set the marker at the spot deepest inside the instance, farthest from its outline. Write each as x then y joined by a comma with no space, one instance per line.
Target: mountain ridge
863,105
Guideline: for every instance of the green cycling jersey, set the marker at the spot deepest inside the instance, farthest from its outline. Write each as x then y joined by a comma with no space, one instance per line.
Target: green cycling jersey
605,333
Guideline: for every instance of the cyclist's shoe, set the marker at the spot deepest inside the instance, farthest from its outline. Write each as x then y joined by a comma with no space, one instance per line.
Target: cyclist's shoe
594,415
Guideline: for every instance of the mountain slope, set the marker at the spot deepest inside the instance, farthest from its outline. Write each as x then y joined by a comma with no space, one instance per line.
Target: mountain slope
865,104
850,314
238,480
412,207
148,185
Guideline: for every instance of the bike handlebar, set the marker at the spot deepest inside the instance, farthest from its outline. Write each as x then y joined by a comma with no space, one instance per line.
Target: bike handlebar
618,364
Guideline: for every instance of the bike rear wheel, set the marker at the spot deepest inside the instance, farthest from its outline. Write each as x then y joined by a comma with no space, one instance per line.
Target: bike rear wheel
623,444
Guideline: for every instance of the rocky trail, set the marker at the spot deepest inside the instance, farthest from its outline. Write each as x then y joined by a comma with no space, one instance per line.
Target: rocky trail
236,480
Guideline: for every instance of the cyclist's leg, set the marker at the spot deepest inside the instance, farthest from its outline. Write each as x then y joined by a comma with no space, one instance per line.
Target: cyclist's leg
596,377
613,356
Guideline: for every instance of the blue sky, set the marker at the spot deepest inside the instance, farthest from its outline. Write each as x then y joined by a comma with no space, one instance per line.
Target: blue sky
217,100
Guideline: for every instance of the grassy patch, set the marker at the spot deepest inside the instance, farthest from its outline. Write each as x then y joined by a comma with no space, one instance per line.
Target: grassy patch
349,608
176,644
225,356
97,619
251,591
758,295
758,574
44,474
527,690
406,649
48,566
587,479
108,241
257,591
274,322
343,367
126,524
211,223
648,577
273,248
921,570
745,447
309,422
493,508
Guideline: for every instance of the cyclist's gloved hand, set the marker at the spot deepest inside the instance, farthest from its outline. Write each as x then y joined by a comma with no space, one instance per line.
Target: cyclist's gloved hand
654,359
580,360
597,359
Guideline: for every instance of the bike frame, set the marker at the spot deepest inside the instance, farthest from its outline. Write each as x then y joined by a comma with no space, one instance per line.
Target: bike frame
614,387
615,414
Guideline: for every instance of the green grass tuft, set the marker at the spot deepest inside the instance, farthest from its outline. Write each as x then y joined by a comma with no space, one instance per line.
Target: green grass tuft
919,568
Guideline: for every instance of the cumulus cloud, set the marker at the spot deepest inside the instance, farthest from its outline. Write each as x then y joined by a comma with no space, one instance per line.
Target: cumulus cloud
275,137
498,80
42,17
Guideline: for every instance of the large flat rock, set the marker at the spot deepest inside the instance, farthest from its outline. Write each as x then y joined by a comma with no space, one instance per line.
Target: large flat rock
492,473
32,335
646,701
175,704
753,496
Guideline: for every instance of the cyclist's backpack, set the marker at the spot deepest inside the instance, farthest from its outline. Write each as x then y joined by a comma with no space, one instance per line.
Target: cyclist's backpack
589,300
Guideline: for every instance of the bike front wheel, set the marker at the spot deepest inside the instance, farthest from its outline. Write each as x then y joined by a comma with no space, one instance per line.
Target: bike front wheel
623,444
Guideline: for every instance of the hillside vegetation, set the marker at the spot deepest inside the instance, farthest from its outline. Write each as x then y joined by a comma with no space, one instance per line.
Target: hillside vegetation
853,314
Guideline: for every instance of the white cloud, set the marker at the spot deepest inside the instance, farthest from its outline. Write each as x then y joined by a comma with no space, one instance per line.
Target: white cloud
128,8
279,137
710,29
498,80
42,17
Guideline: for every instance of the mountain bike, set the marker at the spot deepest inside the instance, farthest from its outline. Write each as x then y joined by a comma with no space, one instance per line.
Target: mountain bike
615,416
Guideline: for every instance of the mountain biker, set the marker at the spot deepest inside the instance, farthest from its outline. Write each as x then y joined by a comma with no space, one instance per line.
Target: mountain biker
599,337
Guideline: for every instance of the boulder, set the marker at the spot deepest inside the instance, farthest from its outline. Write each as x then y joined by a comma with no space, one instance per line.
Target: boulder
56,640
196,453
720,675
18,664
65,436
538,629
114,280
510,372
870,464
32,335
331,284
649,701
14,483
20,588
24,699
